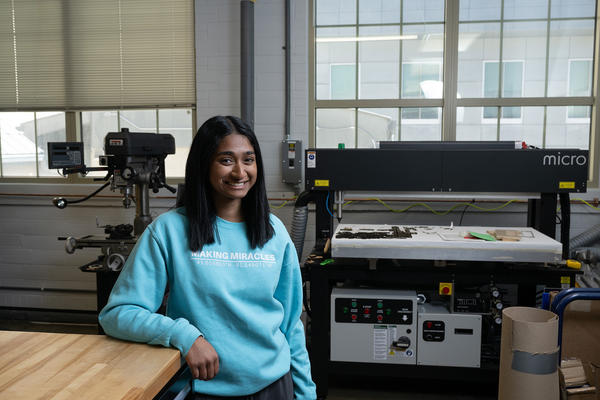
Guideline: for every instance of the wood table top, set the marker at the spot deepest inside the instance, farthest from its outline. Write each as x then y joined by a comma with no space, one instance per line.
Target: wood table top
61,366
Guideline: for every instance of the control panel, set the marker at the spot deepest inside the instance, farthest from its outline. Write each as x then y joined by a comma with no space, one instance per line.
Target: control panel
445,339
374,311
433,331
374,326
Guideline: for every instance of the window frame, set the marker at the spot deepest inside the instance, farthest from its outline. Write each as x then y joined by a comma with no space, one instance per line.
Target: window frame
503,119
450,101
74,133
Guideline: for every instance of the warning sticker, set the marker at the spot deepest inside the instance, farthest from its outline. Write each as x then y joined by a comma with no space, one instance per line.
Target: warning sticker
311,159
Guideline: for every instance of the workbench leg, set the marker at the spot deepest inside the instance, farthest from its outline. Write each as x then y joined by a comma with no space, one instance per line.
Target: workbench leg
319,340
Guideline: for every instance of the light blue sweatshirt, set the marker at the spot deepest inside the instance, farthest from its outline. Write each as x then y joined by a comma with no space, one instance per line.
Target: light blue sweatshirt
246,302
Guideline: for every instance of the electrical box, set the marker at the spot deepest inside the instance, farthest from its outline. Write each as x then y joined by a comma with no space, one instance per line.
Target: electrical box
374,326
292,160
450,340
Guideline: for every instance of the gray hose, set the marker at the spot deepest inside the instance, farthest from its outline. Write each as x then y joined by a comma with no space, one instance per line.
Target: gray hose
299,228
586,238
589,255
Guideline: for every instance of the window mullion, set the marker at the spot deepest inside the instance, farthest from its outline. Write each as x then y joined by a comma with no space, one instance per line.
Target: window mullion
450,73
500,69
547,70
35,141
400,64
356,75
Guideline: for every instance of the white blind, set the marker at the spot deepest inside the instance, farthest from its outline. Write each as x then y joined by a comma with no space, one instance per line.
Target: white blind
86,54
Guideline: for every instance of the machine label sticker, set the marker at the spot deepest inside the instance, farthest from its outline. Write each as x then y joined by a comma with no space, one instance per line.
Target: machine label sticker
115,142
380,342
566,185
311,157
322,182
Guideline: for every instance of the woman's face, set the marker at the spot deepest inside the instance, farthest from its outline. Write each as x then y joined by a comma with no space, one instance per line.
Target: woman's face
233,168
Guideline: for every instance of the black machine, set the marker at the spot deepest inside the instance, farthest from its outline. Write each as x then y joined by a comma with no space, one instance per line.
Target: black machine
477,287
134,163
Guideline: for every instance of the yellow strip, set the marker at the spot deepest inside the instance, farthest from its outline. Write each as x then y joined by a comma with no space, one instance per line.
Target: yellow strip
321,182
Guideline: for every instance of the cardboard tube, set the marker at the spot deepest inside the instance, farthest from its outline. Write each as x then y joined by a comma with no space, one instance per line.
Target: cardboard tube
528,355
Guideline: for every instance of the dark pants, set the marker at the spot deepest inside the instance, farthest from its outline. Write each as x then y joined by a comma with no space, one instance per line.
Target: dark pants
281,389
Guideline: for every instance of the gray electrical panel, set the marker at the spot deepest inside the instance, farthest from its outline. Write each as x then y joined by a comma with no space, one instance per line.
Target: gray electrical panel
292,161
376,326
450,340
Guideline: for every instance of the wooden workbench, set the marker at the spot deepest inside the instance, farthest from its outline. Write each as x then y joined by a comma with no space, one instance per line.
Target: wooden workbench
58,366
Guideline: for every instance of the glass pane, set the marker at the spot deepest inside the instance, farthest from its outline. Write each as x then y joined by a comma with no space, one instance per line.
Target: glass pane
526,42
519,9
178,123
528,127
423,10
138,120
490,79
569,40
94,127
50,128
573,9
376,125
512,80
332,52
335,126
421,124
422,62
17,132
343,81
470,126
335,12
479,10
379,63
476,43
565,132
580,78
378,11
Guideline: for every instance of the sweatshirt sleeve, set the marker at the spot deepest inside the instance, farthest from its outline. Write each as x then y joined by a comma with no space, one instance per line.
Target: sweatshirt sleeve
130,313
289,293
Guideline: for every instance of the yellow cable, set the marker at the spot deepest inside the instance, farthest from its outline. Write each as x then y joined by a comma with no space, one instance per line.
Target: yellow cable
435,211
588,204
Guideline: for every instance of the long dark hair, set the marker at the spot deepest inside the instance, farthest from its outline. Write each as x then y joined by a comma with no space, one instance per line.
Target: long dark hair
197,196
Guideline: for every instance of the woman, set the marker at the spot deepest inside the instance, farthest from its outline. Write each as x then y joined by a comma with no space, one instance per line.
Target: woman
235,298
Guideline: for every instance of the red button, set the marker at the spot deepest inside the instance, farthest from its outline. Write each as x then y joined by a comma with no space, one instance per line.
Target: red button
367,310
379,317
445,290
429,324
354,316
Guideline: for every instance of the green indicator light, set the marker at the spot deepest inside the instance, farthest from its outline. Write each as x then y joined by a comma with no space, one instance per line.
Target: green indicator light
354,304
388,311
345,310
380,305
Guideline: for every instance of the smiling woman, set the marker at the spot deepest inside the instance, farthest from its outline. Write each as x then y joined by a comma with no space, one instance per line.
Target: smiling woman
233,275
232,175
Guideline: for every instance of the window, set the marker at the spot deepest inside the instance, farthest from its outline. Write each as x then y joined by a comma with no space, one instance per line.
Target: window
512,86
71,57
494,70
24,142
580,84
421,81
367,51
343,81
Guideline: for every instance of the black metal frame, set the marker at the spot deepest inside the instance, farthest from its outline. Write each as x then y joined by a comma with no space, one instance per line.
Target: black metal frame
324,277
437,169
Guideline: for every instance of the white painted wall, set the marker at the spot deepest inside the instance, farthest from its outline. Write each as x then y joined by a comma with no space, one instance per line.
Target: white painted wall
31,257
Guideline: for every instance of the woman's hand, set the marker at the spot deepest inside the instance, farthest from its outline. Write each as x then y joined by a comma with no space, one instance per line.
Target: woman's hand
203,360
